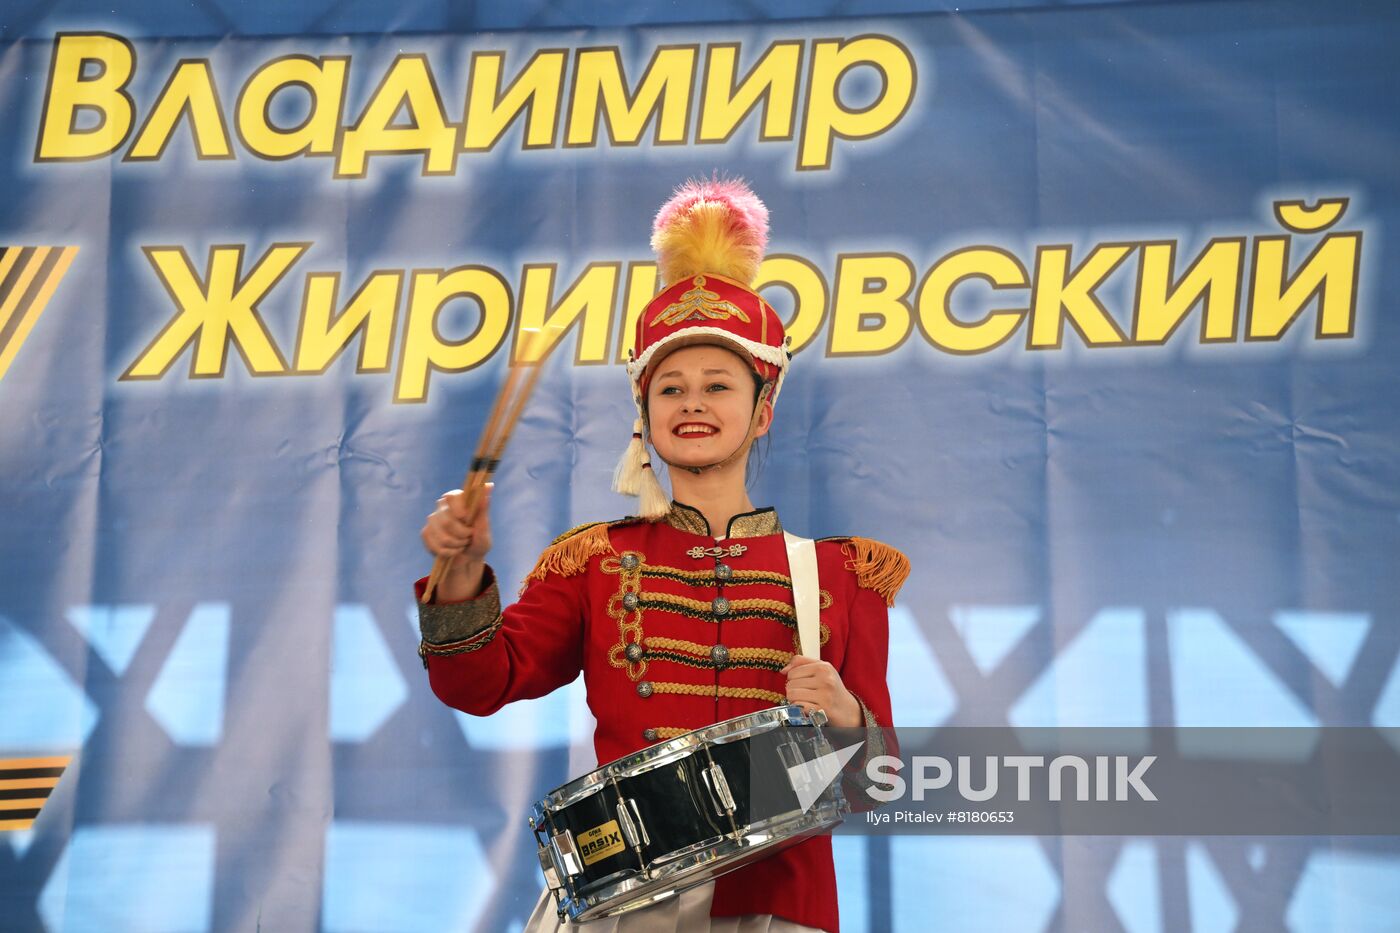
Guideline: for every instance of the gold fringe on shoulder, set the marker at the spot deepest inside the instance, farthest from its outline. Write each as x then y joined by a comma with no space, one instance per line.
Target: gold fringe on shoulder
877,566
575,530
571,551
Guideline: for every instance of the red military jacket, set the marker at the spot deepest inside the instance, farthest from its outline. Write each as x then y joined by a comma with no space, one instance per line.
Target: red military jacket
674,630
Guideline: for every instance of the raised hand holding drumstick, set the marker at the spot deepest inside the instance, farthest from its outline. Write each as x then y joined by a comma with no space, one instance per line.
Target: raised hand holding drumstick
458,533
454,534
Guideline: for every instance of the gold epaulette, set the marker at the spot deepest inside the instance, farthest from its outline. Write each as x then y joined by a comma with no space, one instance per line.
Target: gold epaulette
570,553
877,566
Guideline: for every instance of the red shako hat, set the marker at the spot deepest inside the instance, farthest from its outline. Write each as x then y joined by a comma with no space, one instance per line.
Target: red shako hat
709,240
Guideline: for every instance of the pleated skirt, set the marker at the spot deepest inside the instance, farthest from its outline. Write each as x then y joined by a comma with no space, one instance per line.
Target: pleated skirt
688,912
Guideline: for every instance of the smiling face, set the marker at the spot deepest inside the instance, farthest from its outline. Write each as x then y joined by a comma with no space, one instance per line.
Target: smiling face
699,405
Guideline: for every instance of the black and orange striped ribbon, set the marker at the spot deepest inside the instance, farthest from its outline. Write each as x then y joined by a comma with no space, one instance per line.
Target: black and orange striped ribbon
25,786
28,277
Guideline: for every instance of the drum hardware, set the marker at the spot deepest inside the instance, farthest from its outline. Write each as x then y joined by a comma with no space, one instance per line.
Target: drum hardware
566,851
718,786
806,778
551,874
632,826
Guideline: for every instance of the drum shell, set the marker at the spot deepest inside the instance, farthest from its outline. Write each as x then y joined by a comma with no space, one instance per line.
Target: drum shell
670,805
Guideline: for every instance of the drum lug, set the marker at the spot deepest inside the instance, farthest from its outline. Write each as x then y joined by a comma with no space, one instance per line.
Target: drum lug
547,865
565,853
803,779
630,819
719,789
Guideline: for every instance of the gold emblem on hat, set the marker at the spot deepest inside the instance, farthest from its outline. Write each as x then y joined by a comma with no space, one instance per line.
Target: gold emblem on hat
701,304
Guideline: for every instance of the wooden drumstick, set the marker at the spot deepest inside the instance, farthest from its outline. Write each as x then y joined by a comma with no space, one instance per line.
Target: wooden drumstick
500,424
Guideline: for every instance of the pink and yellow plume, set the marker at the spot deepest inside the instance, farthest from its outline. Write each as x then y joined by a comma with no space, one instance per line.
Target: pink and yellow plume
717,226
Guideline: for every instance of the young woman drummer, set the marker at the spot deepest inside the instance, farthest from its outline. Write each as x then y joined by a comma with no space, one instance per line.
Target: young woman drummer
682,616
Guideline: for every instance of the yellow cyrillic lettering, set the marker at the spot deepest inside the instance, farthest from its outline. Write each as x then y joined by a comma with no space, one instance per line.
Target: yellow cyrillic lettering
870,285
322,78
223,308
491,111
69,93
189,90
369,313
424,351
590,297
1214,277
1298,217
992,264
826,118
773,79
808,288
1330,271
408,82
664,91
1057,289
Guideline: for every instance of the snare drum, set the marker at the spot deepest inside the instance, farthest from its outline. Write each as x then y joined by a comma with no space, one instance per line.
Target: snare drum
679,813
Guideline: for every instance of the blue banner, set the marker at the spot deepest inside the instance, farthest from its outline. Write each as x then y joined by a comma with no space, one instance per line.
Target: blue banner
1094,319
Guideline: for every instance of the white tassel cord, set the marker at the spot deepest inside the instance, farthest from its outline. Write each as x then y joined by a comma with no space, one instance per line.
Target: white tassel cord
627,478
655,503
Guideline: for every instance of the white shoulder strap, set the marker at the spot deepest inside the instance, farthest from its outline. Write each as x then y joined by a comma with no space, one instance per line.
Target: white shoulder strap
802,561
